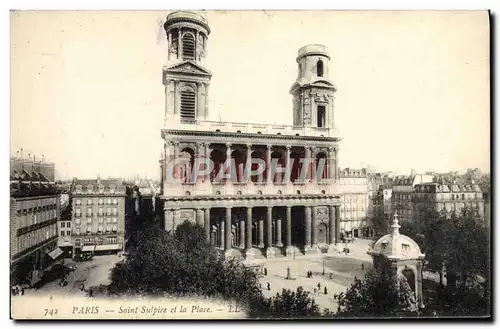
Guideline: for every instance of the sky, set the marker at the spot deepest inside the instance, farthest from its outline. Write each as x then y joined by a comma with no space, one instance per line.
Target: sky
413,87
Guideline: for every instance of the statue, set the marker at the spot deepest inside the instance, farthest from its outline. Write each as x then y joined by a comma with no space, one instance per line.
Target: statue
200,48
173,47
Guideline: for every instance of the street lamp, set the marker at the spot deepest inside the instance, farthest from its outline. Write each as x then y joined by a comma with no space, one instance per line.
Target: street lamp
323,267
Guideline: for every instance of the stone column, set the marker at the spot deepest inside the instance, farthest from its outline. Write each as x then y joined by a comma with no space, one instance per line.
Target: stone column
331,225
307,228
242,234
248,165
207,156
308,156
248,244
288,171
289,248
227,237
206,99
269,232
177,98
228,162
199,217
337,224
336,162
179,45
170,41
268,164
331,164
177,168
208,228
222,234
261,233
313,165
200,153
314,232
278,233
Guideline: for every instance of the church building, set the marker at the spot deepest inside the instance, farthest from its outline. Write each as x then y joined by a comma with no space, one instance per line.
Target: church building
291,207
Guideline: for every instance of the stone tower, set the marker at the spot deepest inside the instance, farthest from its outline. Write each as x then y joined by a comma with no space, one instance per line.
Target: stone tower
401,257
186,80
313,92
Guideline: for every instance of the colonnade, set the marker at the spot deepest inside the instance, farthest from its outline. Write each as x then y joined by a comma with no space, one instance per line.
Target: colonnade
321,164
227,231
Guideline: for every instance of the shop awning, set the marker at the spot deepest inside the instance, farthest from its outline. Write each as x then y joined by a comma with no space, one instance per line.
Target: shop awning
55,253
108,247
88,248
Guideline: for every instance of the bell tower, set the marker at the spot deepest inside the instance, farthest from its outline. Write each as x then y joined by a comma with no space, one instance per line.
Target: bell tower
185,79
313,92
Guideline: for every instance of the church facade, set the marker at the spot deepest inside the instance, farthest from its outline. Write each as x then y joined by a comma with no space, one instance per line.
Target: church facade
257,189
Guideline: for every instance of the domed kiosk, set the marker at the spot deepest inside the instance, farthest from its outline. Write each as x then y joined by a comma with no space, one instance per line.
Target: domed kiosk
401,256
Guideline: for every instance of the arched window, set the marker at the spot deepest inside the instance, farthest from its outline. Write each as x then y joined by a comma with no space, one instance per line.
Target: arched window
188,46
188,103
319,68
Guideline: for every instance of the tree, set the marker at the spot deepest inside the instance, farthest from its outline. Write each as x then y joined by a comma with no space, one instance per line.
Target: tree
379,221
461,243
377,295
182,264
288,304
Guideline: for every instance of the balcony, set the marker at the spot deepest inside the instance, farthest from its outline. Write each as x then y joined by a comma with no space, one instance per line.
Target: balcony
250,128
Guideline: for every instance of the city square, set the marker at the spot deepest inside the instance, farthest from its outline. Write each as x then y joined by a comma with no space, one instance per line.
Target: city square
215,163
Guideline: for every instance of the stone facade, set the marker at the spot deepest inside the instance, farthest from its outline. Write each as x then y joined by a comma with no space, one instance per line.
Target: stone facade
34,212
354,220
98,215
295,208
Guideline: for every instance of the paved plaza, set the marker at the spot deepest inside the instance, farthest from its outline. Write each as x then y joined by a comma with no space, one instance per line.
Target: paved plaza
91,273
340,267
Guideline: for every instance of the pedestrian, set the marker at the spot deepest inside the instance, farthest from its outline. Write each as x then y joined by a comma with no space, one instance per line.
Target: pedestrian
265,270
22,291
91,294
260,285
362,267
268,286
315,291
331,275
326,291
319,286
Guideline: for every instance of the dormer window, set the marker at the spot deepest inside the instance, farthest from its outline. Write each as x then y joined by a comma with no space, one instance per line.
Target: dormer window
319,68
112,189
89,188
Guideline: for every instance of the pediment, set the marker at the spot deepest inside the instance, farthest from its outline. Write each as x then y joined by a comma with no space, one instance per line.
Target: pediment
323,83
188,68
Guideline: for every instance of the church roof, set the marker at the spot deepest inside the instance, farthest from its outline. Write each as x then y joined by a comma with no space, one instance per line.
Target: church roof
396,246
